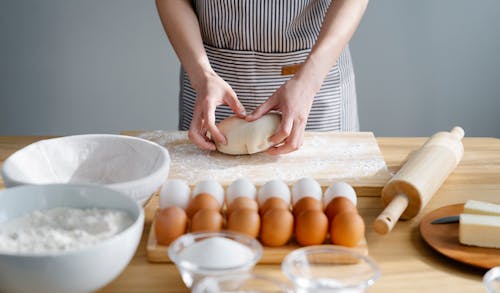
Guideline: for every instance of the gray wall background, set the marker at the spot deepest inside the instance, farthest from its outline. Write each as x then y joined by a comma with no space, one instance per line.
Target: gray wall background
87,66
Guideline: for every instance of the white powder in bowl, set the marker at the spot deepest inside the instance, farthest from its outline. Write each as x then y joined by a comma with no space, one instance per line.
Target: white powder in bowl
60,229
217,253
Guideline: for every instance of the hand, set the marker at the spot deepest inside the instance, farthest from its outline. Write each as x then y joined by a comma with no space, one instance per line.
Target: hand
294,100
210,93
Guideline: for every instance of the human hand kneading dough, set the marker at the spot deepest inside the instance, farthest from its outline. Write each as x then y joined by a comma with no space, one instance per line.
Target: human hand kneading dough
212,91
325,31
294,100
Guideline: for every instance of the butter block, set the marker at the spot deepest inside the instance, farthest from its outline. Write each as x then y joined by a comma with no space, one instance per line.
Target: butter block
479,230
481,208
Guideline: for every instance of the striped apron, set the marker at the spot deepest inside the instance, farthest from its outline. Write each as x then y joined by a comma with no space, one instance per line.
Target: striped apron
249,44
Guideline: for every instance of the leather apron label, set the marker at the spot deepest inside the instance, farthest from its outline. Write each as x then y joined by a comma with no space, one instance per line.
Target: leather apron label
290,69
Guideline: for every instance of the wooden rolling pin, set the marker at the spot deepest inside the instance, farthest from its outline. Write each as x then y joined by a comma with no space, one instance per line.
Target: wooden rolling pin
424,171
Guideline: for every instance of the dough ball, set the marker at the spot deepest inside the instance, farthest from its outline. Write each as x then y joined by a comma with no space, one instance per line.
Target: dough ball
248,137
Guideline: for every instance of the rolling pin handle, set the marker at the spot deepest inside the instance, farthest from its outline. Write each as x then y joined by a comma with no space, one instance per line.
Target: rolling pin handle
388,218
458,132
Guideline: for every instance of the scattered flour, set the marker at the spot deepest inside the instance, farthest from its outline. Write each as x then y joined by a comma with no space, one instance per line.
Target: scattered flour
217,253
325,157
60,229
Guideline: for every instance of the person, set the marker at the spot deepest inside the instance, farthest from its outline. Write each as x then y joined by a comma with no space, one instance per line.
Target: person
290,56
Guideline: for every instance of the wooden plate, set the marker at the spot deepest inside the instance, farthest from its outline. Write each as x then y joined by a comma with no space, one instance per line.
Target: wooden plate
444,239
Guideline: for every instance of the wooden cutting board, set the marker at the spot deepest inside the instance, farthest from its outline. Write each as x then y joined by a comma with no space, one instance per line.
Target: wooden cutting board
324,156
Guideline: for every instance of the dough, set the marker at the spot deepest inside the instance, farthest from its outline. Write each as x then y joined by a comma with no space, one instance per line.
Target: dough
248,137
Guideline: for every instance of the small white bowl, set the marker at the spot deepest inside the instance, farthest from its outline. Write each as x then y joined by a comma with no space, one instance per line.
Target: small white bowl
330,268
82,270
245,282
132,165
194,271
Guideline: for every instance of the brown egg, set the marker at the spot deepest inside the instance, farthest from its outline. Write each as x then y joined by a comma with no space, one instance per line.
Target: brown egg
170,223
276,227
207,220
241,203
273,202
311,227
305,204
245,221
338,205
347,228
202,201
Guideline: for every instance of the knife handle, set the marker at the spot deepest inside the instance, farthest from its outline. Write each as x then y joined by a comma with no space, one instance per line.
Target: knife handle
388,218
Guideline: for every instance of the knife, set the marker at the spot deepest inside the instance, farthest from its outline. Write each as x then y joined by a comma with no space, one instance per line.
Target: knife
446,220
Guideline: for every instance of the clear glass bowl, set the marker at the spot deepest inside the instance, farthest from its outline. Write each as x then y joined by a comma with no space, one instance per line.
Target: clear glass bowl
330,268
491,280
214,261
245,282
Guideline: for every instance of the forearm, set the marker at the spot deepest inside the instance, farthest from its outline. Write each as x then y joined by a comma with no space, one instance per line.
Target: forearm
340,22
182,28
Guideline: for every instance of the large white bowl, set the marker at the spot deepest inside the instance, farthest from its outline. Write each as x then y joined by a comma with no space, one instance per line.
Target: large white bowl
132,165
82,270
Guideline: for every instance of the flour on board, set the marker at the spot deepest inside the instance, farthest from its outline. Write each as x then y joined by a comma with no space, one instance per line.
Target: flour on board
325,157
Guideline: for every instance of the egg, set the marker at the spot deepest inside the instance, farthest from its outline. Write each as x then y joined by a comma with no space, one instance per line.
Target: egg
347,229
305,204
207,220
202,201
241,187
311,227
274,188
241,203
276,227
306,187
174,192
170,223
339,189
211,187
339,205
273,203
244,221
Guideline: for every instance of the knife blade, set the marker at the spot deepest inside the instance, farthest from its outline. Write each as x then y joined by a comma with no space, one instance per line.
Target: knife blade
446,220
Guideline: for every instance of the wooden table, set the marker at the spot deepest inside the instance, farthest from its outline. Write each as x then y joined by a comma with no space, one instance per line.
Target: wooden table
408,264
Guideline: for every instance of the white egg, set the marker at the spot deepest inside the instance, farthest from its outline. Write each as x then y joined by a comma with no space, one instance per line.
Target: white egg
241,187
174,192
306,187
211,187
339,189
274,188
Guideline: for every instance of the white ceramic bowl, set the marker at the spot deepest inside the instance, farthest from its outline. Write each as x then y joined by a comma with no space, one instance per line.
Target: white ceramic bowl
194,271
82,270
132,165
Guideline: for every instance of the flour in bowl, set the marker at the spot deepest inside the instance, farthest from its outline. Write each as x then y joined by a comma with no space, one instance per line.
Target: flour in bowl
60,229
